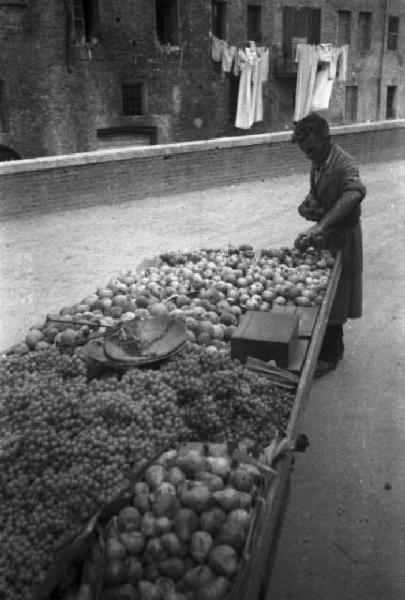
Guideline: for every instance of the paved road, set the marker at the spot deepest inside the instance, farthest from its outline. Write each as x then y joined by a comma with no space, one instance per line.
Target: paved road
344,535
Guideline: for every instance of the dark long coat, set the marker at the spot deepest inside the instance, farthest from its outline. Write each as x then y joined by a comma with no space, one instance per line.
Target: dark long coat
340,179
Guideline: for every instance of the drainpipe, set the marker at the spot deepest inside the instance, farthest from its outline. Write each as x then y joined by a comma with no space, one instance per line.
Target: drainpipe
382,53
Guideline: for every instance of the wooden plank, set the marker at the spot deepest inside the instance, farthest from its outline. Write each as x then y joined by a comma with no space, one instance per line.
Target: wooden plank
298,357
258,577
261,559
307,319
307,374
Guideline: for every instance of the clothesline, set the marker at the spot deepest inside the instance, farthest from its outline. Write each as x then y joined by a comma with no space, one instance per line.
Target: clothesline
252,64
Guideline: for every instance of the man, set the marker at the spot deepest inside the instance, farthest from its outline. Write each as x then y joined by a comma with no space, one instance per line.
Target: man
333,203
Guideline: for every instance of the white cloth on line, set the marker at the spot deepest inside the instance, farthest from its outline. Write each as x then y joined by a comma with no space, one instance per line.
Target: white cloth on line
256,108
264,65
243,112
322,89
307,58
343,63
217,48
324,52
336,52
228,55
250,95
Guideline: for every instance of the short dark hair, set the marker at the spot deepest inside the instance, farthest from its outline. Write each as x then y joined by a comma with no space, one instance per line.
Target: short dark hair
311,124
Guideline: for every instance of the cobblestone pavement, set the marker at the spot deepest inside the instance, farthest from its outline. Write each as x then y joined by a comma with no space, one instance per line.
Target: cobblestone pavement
344,534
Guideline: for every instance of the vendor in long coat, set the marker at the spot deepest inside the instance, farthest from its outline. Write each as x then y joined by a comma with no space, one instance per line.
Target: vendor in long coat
334,200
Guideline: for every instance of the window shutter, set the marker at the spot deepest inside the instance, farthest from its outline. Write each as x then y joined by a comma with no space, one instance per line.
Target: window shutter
78,19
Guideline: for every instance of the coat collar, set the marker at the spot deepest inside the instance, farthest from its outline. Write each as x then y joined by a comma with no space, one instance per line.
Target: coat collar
325,170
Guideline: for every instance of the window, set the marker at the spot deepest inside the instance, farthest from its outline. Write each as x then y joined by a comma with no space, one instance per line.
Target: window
85,15
344,26
351,96
254,22
393,30
121,137
219,19
167,22
8,154
391,102
133,98
301,23
364,34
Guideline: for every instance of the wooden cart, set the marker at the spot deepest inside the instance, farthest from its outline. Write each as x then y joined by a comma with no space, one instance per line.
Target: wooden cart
254,580
259,568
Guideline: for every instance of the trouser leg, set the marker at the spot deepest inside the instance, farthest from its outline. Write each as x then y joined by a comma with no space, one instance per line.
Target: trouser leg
332,346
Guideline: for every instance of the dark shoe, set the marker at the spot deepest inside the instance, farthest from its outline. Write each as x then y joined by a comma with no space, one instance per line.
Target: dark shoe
324,366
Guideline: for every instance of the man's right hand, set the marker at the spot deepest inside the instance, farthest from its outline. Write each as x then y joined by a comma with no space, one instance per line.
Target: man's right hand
310,209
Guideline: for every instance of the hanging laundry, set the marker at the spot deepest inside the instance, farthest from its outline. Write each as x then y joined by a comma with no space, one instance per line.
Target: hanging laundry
217,48
327,56
264,54
257,94
317,70
325,52
343,63
228,56
307,59
244,112
256,106
336,53
322,89
245,91
253,67
236,64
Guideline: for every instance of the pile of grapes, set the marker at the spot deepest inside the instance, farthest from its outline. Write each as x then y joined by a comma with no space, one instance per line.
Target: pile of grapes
69,444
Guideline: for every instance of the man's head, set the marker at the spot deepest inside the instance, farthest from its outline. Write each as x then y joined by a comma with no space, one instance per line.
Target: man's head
312,135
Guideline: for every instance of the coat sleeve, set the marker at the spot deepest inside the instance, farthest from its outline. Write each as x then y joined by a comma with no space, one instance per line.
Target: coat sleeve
351,192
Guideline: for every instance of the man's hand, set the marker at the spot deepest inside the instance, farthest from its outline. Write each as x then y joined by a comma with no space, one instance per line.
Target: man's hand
310,209
312,237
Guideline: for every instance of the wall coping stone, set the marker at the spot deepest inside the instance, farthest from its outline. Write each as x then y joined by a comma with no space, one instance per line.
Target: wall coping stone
166,150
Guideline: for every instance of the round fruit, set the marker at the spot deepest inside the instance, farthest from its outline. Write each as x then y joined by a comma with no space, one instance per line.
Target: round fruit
33,337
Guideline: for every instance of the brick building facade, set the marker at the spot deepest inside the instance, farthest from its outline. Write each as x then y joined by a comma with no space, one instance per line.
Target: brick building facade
78,75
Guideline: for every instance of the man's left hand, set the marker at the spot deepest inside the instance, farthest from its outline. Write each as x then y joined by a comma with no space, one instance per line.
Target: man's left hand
315,232
312,236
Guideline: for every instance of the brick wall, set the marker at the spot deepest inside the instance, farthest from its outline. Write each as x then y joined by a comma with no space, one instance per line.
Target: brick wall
106,177
59,91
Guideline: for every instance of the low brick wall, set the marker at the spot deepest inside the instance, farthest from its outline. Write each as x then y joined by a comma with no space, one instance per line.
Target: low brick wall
109,177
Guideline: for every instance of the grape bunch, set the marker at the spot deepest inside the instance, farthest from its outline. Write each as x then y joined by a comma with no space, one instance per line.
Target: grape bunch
68,445
221,399
67,448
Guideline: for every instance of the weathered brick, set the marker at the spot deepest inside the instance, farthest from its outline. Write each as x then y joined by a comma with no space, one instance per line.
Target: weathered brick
48,185
59,92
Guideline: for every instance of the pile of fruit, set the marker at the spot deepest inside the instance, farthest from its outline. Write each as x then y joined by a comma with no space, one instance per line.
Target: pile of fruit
208,290
183,533
68,444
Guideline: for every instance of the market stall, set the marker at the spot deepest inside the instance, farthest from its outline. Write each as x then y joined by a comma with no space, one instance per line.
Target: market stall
183,319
